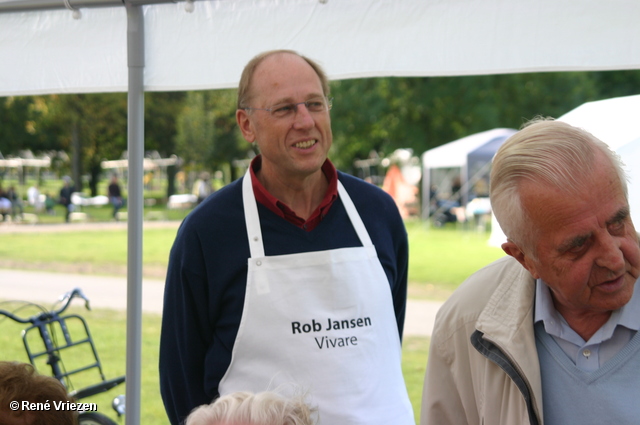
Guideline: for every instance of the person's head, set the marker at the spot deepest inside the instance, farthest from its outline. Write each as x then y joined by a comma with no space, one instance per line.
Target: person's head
244,408
245,93
20,382
293,137
66,180
560,196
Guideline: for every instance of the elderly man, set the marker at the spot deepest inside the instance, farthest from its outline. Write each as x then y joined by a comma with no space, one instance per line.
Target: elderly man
549,333
295,274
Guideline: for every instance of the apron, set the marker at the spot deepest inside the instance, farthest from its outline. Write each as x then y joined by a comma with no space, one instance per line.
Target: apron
321,323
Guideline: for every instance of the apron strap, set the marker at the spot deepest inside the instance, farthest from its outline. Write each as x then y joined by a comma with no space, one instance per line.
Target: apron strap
352,212
252,219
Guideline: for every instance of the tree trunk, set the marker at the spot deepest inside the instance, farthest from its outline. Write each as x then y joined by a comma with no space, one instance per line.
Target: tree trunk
76,157
172,170
95,172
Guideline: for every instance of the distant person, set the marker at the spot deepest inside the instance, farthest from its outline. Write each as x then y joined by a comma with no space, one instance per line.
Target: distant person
202,187
244,408
33,198
549,333
65,197
5,204
19,382
115,196
17,208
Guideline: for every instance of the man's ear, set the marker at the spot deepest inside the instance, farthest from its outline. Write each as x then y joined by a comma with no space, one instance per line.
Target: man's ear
516,252
246,127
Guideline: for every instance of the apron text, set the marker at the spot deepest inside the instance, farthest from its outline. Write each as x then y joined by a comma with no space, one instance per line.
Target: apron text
297,327
326,342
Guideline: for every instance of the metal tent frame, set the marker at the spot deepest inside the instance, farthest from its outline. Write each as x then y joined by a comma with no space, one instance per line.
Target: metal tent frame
135,146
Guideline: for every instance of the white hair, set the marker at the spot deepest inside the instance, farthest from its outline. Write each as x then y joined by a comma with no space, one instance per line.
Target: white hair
265,408
548,153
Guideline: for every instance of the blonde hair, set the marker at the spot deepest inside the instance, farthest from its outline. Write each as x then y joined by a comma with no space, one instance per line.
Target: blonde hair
265,408
244,87
548,153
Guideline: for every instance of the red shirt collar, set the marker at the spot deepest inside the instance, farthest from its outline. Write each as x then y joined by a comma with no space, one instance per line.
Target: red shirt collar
281,209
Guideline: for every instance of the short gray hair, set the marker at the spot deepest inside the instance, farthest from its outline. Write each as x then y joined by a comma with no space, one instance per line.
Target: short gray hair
265,408
546,152
244,87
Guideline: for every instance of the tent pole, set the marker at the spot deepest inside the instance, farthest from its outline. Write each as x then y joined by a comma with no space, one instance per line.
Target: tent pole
135,135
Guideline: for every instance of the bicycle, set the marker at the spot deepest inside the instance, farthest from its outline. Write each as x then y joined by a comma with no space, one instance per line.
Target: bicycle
76,340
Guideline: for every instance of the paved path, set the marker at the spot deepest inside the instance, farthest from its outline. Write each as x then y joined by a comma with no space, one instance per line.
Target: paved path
111,292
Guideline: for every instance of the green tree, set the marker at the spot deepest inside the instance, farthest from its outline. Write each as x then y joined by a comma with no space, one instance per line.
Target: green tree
207,134
384,114
93,127
21,121
160,119
616,83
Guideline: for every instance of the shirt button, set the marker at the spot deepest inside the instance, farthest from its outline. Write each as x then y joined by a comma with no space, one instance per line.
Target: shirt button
258,263
586,352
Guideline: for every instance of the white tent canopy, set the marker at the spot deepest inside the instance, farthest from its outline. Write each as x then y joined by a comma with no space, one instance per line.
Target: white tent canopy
25,162
45,51
616,122
454,154
139,45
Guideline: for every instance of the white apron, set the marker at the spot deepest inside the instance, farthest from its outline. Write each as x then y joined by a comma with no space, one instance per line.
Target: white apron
321,322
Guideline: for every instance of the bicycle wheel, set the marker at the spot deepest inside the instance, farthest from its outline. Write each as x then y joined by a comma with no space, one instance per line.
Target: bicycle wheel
93,418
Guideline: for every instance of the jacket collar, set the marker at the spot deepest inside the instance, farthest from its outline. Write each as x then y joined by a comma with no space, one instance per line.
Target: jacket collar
507,322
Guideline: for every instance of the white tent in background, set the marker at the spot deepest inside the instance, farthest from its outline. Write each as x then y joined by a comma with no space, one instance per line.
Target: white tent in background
142,45
467,158
616,122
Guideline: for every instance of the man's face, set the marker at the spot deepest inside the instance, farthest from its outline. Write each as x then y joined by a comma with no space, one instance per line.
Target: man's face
295,146
586,245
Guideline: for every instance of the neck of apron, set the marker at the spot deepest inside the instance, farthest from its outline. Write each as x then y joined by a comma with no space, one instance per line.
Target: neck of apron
252,219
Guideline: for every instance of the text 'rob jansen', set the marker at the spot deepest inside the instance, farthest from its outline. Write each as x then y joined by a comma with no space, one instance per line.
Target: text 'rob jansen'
331,325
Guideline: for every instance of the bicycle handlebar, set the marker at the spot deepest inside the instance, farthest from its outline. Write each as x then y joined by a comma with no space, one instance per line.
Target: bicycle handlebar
65,299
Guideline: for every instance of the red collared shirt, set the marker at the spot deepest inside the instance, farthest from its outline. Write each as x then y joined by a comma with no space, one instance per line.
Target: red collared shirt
281,209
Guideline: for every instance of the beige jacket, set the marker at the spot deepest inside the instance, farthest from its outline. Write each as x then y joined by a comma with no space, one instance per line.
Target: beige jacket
483,363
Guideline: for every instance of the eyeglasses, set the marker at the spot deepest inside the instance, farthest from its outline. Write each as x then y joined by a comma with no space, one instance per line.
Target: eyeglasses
286,110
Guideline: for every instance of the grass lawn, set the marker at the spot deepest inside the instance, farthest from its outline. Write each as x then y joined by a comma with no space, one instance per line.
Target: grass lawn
440,259
108,329
100,252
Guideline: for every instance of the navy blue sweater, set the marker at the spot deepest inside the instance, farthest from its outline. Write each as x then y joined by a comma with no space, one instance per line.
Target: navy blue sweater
207,276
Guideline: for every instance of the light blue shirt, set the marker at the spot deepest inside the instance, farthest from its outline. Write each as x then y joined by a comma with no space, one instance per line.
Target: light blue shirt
603,345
